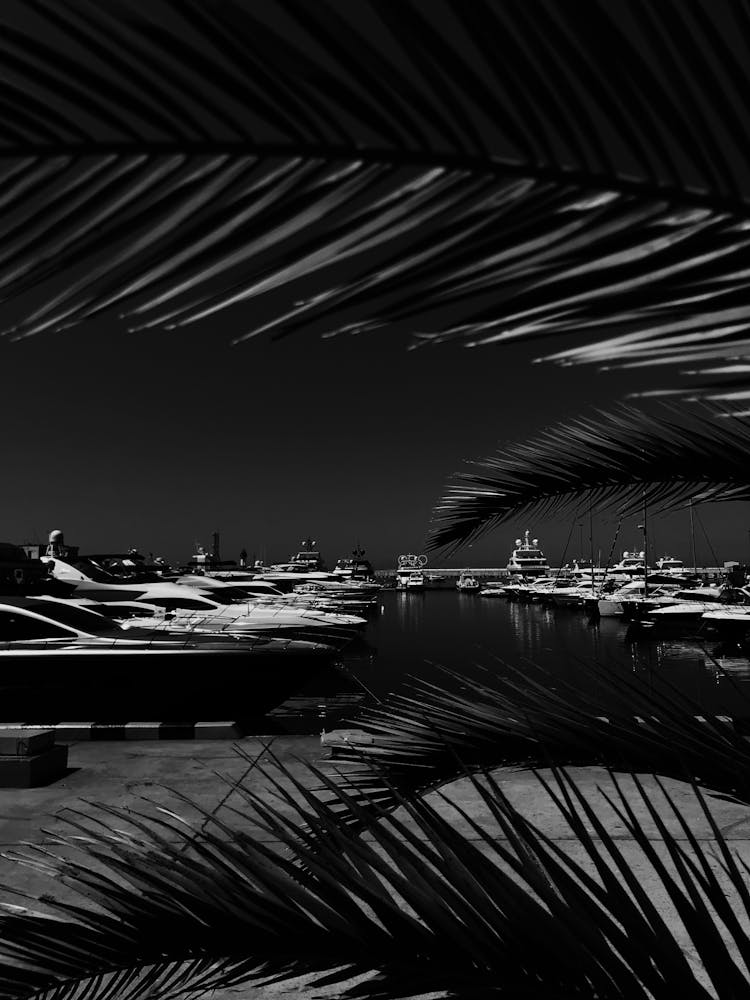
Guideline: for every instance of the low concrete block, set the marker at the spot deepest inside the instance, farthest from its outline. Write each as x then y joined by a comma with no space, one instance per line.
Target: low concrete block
34,769
142,730
218,731
23,741
73,730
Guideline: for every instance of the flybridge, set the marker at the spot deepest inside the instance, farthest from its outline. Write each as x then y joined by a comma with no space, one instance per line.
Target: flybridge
527,557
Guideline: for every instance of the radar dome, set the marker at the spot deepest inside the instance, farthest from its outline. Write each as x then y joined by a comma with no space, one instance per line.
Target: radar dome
518,541
625,555
56,536
534,541
641,554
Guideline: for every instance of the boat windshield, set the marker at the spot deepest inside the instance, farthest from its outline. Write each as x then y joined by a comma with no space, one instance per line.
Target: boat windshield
78,618
227,595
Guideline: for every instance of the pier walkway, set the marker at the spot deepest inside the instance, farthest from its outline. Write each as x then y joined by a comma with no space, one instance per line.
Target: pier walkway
122,774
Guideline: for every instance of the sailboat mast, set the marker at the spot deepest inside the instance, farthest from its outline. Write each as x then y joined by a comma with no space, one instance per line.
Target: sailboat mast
645,546
591,544
692,536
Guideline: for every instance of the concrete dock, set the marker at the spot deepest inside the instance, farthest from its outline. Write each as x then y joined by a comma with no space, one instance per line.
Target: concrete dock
123,773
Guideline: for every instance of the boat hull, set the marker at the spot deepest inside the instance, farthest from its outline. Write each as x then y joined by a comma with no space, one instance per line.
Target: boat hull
121,685
609,609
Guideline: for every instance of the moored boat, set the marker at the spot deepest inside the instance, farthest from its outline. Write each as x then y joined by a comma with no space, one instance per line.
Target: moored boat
416,580
669,564
407,564
354,567
63,661
467,583
527,559
631,564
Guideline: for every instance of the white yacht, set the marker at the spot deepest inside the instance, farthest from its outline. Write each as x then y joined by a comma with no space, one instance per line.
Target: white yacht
408,564
527,559
614,603
467,583
732,622
307,560
354,567
689,611
416,580
668,564
215,601
542,588
632,563
586,584
493,588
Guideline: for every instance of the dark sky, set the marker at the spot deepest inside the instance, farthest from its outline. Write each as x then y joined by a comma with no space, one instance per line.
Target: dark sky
156,440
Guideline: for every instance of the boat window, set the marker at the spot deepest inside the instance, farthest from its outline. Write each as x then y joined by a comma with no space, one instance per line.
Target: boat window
124,610
224,597
171,603
78,618
228,595
15,627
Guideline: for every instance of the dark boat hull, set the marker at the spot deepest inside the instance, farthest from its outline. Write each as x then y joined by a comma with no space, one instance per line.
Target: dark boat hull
122,685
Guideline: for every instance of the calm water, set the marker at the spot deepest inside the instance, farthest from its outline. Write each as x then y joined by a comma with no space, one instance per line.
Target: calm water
415,631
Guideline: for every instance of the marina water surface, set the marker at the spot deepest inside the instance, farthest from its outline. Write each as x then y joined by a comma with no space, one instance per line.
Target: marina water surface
471,635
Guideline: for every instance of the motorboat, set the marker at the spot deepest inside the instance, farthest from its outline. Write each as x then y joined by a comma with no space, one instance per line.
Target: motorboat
407,564
632,563
612,604
543,590
213,599
334,603
532,588
467,583
354,567
731,623
693,604
668,564
519,590
343,588
527,559
586,583
307,560
493,588
416,580
285,576
62,659
46,620
659,596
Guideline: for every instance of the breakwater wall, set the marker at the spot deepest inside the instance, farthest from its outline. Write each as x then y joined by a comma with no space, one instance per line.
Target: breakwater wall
438,579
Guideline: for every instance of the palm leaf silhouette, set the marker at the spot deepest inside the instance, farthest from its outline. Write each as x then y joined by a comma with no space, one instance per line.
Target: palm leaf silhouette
478,170
624,458
429,899
429,732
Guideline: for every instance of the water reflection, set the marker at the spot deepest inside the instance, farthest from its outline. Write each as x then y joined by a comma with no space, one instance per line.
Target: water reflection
467,633
526,624
409,608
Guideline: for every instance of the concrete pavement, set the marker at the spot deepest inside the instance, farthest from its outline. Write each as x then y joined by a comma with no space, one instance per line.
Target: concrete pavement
122,774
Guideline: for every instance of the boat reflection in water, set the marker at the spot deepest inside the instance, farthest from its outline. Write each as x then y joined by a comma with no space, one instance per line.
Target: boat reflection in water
409,612
416,633
476,638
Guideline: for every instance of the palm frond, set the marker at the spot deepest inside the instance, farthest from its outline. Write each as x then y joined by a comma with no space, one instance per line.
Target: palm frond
483,170
624,458
431,898
524,717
